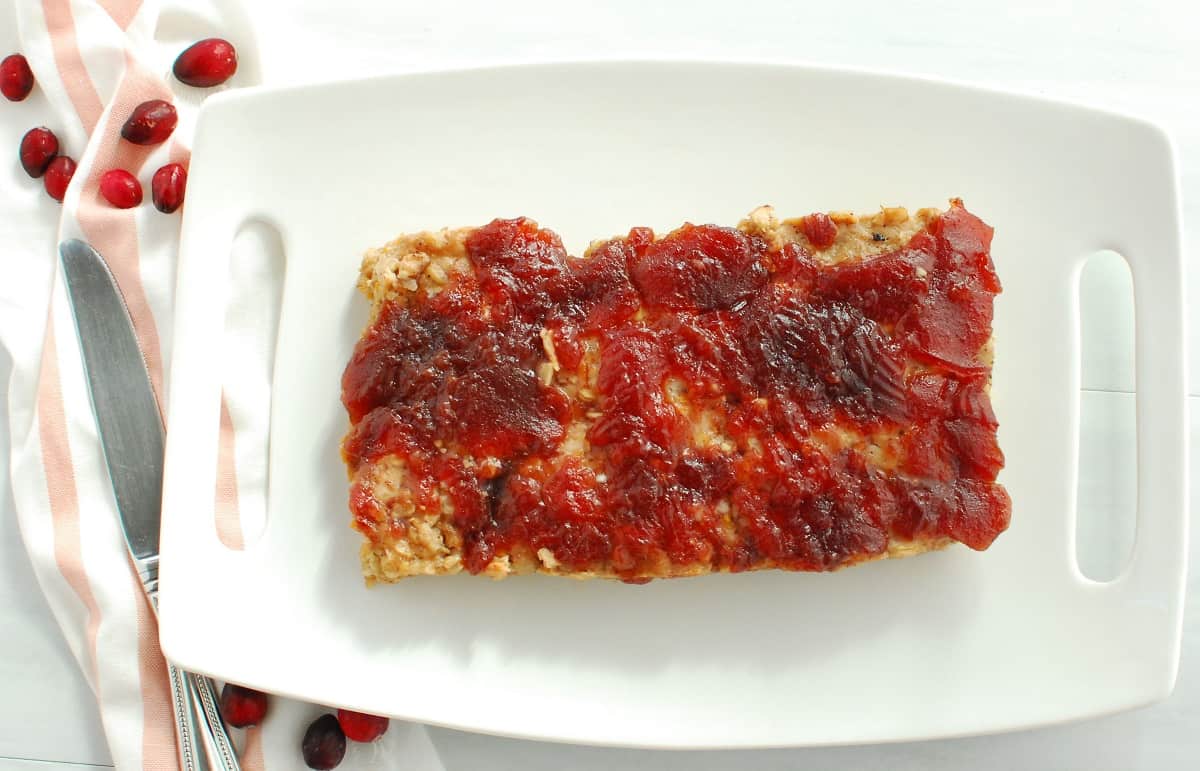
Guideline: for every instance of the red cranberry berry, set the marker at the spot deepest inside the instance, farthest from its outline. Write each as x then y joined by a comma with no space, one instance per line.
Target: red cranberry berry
121,189
38,148
820,230
324,744
151,123
16,79
167,187
208,63
360,727
58,176
242,707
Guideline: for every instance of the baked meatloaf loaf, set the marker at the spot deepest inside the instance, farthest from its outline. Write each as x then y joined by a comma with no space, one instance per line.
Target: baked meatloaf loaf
801,394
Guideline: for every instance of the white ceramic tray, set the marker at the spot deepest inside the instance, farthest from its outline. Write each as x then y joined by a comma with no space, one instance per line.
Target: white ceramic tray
946,644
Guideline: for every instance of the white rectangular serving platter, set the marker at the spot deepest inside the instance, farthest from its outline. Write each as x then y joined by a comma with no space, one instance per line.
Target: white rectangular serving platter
944,644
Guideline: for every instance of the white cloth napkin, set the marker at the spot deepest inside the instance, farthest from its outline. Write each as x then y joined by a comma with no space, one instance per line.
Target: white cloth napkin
94,60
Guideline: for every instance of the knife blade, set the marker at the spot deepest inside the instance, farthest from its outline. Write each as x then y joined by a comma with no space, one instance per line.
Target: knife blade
126,410
132,437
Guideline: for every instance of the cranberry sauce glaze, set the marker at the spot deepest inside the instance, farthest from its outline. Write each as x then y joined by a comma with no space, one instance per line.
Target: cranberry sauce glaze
851,399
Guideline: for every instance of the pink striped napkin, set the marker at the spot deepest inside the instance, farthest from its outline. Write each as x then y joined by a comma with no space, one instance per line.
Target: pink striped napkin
94,60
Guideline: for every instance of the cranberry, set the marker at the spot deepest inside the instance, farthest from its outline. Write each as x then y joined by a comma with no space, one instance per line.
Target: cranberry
820,230
38,148
58,176
210,62
151,123
242,707
121,189
16,79
360,727
167,186
324,744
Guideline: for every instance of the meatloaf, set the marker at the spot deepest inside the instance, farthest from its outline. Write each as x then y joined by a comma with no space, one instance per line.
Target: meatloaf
802,394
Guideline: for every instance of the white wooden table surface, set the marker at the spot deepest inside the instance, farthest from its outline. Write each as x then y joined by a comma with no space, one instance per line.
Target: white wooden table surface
1142,58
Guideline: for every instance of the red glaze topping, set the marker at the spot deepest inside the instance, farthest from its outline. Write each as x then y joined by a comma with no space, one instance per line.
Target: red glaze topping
851,398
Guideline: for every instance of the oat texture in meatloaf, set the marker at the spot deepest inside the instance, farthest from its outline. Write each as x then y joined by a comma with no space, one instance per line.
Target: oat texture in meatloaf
802,394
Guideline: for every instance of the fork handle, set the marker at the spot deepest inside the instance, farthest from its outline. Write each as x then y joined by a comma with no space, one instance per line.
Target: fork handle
204,744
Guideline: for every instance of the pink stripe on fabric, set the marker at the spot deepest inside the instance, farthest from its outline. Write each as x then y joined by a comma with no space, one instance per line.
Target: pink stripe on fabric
60,23
121,11
226,513
158,721
61,490
114,231
114,234
252,751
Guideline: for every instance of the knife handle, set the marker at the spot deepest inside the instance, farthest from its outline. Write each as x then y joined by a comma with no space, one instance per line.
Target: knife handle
204,744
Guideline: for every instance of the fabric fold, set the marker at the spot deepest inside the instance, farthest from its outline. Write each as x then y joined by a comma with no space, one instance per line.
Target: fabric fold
94,61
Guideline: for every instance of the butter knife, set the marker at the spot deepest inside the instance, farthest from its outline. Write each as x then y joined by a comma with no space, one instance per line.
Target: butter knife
131,433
